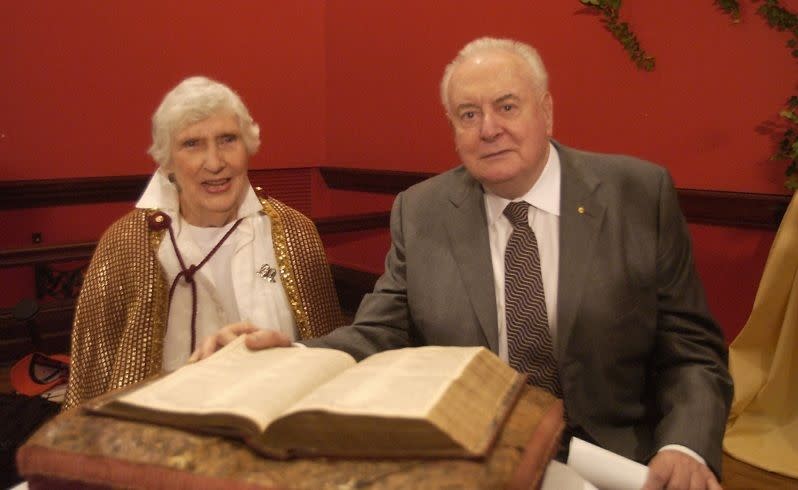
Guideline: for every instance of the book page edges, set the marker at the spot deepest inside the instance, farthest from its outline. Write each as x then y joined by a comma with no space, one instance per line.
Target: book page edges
316,433
474,408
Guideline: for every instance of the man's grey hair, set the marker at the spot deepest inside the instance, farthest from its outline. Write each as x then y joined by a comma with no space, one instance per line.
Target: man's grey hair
524,51
191,101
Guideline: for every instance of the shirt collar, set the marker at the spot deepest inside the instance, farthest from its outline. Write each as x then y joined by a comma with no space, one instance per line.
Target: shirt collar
544,194
162,194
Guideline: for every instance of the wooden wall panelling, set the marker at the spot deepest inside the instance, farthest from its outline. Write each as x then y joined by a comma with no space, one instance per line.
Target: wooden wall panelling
293,187
53,324
20,194
699,206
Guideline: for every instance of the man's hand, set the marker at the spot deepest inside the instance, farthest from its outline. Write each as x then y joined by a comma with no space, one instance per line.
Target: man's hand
672,470
256,339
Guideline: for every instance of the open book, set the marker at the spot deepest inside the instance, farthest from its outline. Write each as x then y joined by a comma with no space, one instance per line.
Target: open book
284,402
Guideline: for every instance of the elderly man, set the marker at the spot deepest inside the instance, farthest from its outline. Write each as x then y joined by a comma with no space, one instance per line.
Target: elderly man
575,267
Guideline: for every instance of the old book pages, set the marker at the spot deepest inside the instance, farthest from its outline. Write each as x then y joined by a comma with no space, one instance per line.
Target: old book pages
232,391
435,400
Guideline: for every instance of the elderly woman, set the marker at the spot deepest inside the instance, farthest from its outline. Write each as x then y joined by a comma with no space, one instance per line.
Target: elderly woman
200,251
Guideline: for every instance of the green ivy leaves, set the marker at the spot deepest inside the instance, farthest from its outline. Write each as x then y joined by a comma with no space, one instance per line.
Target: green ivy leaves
731,7
775,15
621,31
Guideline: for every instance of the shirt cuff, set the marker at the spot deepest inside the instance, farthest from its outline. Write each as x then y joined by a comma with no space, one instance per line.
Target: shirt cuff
685,450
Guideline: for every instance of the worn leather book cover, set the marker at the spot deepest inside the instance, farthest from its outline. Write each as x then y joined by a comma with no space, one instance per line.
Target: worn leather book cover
77,450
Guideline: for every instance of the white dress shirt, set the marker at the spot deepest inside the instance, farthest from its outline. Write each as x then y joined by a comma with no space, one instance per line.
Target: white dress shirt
544,219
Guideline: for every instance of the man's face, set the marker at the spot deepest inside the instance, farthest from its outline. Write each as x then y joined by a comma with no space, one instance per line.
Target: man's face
502,122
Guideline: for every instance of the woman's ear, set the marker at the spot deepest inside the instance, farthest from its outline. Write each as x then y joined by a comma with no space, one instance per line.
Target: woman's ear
170,175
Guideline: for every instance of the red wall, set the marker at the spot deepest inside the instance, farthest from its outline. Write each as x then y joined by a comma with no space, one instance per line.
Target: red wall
730,262
698,113
702,113
355,83
80,79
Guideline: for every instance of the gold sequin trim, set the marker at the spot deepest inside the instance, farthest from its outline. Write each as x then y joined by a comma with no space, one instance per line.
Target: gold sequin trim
286,269
305,260
117,333
160,308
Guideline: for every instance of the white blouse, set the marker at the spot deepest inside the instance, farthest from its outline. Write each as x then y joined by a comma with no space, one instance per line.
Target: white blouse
229,288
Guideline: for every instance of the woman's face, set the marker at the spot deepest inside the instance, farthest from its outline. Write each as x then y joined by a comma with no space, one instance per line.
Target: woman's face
209,163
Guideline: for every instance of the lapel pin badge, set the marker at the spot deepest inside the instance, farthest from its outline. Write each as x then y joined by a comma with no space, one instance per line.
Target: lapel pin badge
267,272
580,210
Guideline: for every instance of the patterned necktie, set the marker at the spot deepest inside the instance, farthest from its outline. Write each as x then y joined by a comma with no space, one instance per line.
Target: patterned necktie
528,339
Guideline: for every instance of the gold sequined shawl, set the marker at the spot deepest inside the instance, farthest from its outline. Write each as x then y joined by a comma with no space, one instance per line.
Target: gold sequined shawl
121,314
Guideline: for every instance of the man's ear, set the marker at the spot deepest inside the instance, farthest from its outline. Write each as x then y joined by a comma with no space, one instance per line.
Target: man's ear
449,119
454,130
547,106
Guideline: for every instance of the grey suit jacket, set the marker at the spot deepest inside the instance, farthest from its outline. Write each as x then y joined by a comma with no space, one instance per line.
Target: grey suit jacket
642,363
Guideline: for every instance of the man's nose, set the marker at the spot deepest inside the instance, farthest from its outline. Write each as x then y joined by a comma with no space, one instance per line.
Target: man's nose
489,129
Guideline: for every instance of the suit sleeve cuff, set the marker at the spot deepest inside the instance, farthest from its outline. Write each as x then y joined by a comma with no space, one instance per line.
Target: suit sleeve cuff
685,450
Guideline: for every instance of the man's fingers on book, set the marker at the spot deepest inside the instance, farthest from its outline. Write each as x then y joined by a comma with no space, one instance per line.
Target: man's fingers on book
239,328
256,339
704,478
198,353
227,335
701,479
264,339
224,336
230,332
660,471
673,469
205,349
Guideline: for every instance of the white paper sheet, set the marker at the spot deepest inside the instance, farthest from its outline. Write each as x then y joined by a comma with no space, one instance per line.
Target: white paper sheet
605,469
561,477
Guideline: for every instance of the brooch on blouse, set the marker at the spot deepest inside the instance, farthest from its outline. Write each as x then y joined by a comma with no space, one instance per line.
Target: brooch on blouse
267,272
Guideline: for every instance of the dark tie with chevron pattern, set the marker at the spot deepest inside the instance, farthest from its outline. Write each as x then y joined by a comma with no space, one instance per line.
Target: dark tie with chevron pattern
529,342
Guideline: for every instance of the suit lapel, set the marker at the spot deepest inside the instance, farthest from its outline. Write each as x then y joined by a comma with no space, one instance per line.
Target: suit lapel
578,232
466,225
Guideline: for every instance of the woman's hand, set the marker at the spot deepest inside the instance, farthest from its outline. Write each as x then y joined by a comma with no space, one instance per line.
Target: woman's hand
256,339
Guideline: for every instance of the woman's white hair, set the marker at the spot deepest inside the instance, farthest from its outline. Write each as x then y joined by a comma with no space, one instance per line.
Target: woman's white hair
191,101
526,52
